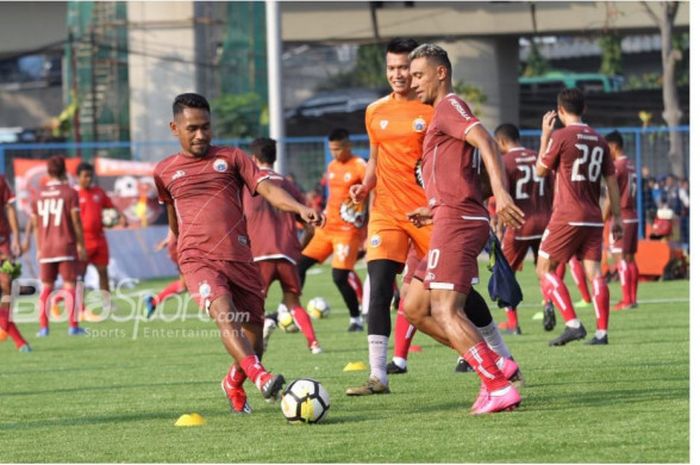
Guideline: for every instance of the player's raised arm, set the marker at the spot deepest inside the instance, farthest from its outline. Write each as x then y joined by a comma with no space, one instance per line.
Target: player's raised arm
505,206
548,121
281,199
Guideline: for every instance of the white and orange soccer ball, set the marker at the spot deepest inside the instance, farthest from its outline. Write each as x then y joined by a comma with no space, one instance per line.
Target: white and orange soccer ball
305,401
318,308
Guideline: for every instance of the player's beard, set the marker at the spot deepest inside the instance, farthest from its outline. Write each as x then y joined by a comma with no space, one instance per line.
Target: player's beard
199,150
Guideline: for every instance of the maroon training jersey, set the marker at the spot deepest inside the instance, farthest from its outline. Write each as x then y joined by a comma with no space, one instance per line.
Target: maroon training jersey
626,175
207,194
52,208
272,231
580,158
531,193
450,166
6,197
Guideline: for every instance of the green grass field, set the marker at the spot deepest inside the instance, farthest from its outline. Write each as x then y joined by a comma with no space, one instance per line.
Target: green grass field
113,397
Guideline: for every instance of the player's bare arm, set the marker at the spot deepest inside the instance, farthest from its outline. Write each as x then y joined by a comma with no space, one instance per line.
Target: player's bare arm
614,198
506,209
281,199
172,219
79,237
420,217
359,192
15,247
548,121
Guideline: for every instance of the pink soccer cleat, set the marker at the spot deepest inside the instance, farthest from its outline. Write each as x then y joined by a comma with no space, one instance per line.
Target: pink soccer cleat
509,400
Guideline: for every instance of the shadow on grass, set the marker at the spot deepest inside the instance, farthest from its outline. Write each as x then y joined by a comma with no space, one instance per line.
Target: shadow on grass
83,421
99,388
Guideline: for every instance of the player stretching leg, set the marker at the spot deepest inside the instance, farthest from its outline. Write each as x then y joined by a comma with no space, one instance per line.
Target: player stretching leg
202,189
343,232
451,172
625,248
9,251
532,194
58,232
580,158
274,243
178,286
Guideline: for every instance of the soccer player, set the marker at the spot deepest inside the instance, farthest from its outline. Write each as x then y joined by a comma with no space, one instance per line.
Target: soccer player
9,250
273,239
202,189
343,232
396,127
454,147
58,231
92,201
625,248
532,194
581,160
175,287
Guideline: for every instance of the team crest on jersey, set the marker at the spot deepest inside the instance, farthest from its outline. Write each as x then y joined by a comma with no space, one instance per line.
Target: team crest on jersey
347,177
96,198
243,240
384,123
204,289
419,124
375,240
220,165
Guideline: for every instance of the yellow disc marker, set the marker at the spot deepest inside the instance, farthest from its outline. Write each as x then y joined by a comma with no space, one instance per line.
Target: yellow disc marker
192,419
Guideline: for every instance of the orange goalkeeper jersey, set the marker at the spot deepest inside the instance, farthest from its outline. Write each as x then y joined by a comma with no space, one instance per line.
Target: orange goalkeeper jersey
397,128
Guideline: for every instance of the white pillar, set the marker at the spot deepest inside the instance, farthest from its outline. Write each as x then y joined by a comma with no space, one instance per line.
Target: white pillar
274,82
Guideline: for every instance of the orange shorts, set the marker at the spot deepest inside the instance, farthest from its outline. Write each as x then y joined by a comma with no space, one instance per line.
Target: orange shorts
343,245
390,238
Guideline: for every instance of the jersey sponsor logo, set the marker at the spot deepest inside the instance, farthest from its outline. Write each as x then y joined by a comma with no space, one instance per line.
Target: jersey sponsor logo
179,174
460,110
384,123
375,240
419,124
220,165
204,289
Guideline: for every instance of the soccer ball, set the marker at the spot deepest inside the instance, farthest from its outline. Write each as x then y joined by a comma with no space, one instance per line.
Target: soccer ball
318,308
285,321
110,217
305,401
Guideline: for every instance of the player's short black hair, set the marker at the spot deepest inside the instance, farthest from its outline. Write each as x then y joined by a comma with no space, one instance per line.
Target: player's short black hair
572,101
56,167
339,135
189,100
401,45
615,137
508,131
264,149
84,166
434,53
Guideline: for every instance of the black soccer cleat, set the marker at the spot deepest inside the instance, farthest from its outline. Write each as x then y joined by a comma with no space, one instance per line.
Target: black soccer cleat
569,335
355,328
597,341
394,369
463,366
549,321
272,387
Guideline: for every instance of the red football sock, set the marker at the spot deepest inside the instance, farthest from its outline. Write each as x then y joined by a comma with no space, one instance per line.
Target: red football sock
512,315
356,285
579,277
403,334
561,270
7,325
70,302
253,369
302,320
634,281
44,307
236,376
481,358
601,302
623,272
174,287
556,291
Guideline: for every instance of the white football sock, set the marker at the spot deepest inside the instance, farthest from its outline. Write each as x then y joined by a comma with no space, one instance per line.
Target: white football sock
575,323
399,362
365,296
377,357
600,333
493,338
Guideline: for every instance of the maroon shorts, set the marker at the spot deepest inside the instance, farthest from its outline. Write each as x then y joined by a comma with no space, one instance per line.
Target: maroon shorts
412,262
282,270
627,244
207,280
97,251
515,247
48,272
562,241
452,259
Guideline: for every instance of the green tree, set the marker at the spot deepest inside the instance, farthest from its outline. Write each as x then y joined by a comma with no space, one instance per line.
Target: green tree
536,65
240,115
611,54
473,95
369,70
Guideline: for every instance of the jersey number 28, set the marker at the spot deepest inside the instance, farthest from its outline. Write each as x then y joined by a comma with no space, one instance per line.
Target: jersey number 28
594,167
